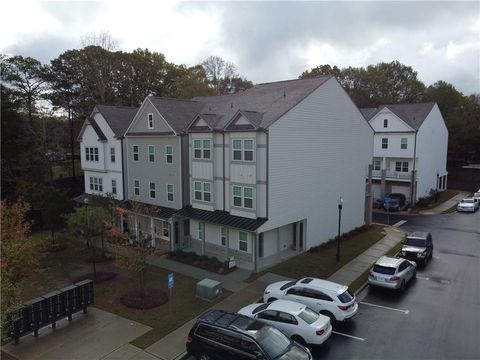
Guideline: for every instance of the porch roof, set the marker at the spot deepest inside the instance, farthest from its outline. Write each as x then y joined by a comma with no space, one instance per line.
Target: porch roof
221,218
151,210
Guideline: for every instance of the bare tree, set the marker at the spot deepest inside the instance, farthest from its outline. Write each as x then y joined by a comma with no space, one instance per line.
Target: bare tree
217,70
102,39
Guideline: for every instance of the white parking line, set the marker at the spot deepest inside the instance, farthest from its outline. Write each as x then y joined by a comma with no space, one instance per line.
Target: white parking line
423,277
349,336
386,307
436,257
400,223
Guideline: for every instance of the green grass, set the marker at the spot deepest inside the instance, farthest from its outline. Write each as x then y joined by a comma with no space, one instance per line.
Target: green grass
323,263
59,269
442,197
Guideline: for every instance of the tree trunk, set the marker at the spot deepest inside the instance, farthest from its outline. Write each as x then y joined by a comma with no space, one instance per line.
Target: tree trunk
72,146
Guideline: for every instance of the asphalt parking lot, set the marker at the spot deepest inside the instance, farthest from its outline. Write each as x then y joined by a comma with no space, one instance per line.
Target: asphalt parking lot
438,315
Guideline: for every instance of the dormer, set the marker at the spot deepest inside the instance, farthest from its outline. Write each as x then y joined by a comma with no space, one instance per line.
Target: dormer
244,120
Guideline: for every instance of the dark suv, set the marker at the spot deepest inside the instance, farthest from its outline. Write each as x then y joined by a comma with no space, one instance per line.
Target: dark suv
418,246
227,336
394,202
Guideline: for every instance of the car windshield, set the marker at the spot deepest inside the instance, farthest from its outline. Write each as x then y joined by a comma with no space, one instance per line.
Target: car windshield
384,270
467,201
260,308
272,341
415,242
345,297
287,285
308,315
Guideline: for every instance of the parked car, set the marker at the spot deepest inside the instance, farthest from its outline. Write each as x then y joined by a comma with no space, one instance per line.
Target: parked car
476,196
377,203
467,205
294,319
418,246
325,297
393,273
220,335
394,202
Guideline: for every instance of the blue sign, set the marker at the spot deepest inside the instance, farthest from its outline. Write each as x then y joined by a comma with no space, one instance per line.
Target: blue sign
170,280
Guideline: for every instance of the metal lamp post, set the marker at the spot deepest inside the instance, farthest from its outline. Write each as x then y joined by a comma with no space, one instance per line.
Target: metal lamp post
340,205
436,189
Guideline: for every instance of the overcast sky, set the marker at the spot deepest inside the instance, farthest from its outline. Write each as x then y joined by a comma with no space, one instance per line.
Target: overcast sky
268,41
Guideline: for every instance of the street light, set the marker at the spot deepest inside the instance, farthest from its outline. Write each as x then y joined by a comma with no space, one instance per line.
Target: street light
340,205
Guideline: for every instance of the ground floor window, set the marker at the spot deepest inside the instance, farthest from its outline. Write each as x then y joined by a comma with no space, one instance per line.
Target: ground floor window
96,183
162,229
376,165
114,186
243,241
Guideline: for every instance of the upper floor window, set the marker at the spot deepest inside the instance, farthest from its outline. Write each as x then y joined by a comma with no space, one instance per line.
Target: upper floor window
169,154
376,165
96,183
242,149
401,166
403,143
150,121
112,154
201,149
242,241
91,153
170,192
135,152
243,196
151,153
385,123
136,187
384,143
202,191
153,191
114,186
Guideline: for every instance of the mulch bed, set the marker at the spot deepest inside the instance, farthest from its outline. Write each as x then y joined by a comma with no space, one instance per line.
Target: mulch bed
202,262
53,248
100,258
150,299
102,276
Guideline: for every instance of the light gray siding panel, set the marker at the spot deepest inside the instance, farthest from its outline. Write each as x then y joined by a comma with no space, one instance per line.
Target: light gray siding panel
141,121
202,170
244,174
270,242
185,178
319,151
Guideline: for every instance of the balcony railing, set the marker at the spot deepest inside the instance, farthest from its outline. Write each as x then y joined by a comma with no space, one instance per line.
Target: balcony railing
392,174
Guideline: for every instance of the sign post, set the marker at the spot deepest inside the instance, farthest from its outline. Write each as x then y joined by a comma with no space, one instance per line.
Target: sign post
171,283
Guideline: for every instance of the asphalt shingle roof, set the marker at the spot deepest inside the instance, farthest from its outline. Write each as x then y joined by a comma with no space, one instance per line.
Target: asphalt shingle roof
117,117
178,113
412,114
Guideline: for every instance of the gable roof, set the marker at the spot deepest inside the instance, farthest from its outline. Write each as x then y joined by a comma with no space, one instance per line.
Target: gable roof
412,114
96,128
117,117
176,112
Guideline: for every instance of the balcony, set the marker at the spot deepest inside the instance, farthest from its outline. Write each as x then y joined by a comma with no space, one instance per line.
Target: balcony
392,175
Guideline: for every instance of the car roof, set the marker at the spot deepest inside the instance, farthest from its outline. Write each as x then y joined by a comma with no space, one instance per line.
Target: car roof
469,199
389,261
286,305
418,234
322,284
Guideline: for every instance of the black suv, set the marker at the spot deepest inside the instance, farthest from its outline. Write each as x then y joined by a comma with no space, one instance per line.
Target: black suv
227,336
418,246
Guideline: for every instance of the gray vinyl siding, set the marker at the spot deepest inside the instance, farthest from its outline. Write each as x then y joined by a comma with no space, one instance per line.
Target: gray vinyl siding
185,170
159,171
140,123
318,151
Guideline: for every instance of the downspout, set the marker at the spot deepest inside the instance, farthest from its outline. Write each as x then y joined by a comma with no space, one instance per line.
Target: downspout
268,182
414,176
124,170
223,168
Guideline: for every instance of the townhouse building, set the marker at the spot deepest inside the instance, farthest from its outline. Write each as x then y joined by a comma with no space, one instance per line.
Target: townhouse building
410,150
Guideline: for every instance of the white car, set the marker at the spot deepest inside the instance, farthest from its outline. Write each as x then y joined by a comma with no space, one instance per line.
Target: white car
325,297
467,205
392,273
295,320
476,196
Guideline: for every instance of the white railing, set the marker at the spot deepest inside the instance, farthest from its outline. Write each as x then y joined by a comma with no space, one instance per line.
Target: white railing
392,174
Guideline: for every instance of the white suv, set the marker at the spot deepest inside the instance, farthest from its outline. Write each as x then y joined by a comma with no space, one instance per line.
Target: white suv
325,297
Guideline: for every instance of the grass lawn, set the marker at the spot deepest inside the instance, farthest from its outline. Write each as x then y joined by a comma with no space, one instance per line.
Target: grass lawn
58,270
323,263
442,197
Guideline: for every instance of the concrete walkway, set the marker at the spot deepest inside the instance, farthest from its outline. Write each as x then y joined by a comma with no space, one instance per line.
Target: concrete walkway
446,205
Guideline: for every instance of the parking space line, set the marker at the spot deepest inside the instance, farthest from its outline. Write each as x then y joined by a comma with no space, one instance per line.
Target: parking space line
423,277
349,336
386,307
400,223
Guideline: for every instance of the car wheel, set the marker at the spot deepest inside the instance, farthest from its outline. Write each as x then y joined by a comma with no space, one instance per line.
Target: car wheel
271,299
204,357
402,286
299,340
329,314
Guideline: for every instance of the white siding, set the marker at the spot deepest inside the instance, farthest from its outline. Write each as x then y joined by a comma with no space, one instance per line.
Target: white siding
394,122
394,149
319,151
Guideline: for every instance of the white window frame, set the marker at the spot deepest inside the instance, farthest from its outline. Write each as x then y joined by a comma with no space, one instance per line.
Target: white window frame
136,187
91,183
113,157
385,143
135,152
201,231
224,235
151,154
114,186
403,143
150,120
169,154
379,163
91,153
96,184
164,230
401,166
170,192
202,148
243,197
152,189
243,149
202,191
240,241
385,123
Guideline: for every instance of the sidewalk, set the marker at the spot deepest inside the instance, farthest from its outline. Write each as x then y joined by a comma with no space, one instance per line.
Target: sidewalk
446,205
172,346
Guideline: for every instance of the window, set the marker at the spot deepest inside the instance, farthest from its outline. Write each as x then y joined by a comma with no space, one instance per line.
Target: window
201,149
112,154
136,187
376,165
169,154
268,315
242,241
201,231
91,153
224,235
135,152
197,190
96,183
405,166
385,123
152,190
401,166
207,192
202,191
169,192
150,121
151,153
403,143
384,143
286,318
243,196
114,186
242,149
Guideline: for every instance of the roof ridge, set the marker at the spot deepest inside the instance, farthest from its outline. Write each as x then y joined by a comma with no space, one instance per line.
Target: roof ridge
171,98
290,80
119,106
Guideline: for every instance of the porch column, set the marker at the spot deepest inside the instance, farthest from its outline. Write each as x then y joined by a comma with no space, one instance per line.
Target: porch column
255,251
121,223
383,183
172,234
135,218
152,231
227,244
297,236
278,239
369,198
203,240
